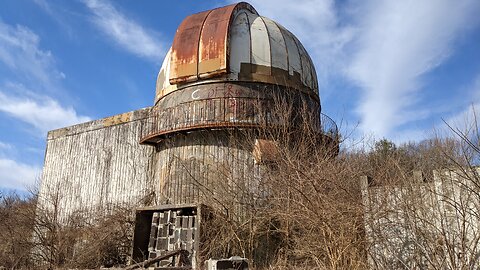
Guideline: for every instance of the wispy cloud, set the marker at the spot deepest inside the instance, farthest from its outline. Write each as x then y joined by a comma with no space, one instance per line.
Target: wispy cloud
383,48
398,42
468,118
44,5
318,25
42,112
60,15
17,175
29,80
5,146
20,52
126,32
13,174
34,73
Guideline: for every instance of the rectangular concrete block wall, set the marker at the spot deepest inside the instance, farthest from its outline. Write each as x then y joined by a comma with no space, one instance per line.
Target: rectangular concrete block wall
96,166
412,225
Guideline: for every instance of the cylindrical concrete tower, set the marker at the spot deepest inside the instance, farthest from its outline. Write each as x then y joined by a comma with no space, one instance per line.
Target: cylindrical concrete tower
220,78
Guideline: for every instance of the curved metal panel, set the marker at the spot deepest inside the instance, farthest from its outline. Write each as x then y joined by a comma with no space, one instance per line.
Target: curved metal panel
313,74
239,43
294,62
306,64
278,48
261,58
163,77
184,57
213,42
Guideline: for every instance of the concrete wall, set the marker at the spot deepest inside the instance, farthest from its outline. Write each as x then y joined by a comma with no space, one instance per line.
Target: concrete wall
97,165
215,167
424,224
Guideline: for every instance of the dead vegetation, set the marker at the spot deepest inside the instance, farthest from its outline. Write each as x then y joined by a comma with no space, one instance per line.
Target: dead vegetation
304,210
34,237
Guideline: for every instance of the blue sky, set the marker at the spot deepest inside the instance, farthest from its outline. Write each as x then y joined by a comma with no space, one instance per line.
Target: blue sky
391,69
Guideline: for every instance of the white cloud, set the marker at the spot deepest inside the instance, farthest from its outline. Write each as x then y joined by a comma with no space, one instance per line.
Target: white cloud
126,32
41,112
383,47
44,5
29,65
4,146
398,42
17,175
468,118
25,66
20,52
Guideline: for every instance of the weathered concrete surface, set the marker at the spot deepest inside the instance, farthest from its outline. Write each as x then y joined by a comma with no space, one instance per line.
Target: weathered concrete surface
97,165
424,224
214,167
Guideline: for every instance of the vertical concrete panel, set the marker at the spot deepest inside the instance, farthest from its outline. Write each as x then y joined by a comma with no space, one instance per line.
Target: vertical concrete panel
209,164
95,166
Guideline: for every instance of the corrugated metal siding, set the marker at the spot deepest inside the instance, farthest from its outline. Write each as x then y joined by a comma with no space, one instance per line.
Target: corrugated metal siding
95,166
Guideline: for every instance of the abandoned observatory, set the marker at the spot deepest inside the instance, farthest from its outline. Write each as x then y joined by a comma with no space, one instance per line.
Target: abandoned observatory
228,72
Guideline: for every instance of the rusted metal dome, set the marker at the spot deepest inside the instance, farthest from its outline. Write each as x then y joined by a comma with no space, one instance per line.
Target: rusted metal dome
231,81
224,70
235,43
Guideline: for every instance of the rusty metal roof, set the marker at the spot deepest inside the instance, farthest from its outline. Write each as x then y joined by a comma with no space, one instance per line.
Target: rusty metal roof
235,43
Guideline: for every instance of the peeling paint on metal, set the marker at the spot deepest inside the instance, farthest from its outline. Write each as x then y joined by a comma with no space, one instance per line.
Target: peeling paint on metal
213,42
235,43
278,49
239,43
294,61
184,57
260,45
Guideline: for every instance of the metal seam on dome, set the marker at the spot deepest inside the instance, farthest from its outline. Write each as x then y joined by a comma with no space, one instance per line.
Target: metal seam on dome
233,16
284,41
312,68
199,40
183,51
261,52
269,43
300,56
230,38
249,37
290,65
